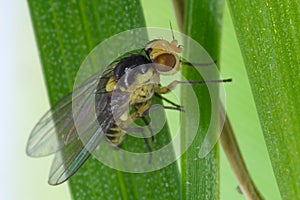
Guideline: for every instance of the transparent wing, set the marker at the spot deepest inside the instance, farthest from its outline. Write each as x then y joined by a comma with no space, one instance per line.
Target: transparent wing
73,156
56,128
67,162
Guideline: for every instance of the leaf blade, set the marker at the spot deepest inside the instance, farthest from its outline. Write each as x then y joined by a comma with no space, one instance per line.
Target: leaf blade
66,32
267,34
200,177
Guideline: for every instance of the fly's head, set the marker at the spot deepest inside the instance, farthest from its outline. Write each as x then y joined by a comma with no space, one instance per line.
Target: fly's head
165,56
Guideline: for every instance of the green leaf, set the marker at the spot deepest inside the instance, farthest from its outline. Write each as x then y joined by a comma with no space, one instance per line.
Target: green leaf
200,177
268,33
66,32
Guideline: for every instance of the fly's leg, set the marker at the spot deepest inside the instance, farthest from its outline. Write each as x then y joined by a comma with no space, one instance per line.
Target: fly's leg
141,130
173,84
141,110
117,133
177,107
166,89
149,127
181,109
170,87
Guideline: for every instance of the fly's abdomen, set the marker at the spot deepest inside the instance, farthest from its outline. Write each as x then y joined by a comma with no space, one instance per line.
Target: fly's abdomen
108,119
115,134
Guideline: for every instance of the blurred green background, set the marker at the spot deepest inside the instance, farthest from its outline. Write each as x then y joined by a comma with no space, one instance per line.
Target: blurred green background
24,100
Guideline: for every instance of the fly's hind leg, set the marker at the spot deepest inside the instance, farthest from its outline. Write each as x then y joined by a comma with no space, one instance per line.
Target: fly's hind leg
141,109
149,128
142,132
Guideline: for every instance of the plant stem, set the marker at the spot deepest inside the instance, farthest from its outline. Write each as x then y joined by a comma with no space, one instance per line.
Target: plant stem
237,163
179,12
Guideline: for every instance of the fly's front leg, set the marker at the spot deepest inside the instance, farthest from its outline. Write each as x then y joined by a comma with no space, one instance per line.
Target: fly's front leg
166,89
142,132
172,85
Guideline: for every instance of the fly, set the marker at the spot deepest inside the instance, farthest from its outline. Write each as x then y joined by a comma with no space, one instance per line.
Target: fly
123,94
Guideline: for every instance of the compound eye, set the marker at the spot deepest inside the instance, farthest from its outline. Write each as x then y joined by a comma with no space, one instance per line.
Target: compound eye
166,62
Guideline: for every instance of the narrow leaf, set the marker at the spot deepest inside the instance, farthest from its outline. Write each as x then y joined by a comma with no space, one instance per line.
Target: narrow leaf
66,32
268,33
200,177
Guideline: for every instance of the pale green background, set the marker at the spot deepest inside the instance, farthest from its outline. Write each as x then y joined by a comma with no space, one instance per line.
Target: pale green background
24,100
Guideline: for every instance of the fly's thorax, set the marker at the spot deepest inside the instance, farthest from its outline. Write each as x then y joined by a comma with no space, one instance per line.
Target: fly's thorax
123,101
137,77
133,78
141,87
134,61
164,55
135,86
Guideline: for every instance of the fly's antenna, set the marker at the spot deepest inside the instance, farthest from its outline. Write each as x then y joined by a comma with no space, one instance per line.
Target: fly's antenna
172,30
